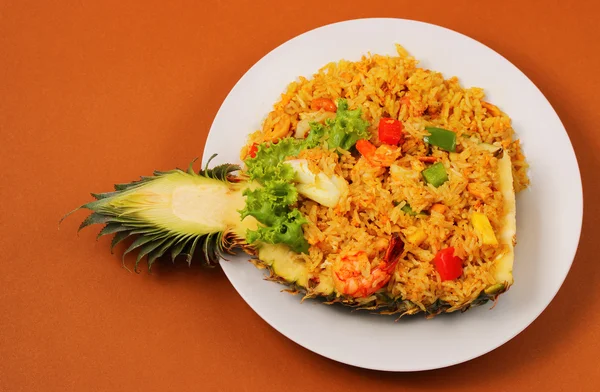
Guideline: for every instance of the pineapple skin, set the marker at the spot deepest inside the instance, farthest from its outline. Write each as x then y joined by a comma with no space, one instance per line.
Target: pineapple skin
378,303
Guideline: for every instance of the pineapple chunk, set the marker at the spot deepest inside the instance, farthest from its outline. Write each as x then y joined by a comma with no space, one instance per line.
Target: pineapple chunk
484,229
289,266
321,188
284,262
417,237
504,263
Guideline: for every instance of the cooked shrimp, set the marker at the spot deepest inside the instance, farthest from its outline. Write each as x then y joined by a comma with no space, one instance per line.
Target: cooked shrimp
323,103
382,156
385,155
355,276
366,171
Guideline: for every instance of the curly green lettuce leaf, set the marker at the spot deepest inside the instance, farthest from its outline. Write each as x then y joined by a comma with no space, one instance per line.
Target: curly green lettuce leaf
286,230
315,136
269,203
268,163
347,127
344,131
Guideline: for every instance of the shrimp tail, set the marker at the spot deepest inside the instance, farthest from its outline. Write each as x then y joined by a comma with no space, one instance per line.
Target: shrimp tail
394,251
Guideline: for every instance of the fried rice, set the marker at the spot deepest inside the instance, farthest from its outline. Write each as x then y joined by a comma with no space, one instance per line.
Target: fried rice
371,208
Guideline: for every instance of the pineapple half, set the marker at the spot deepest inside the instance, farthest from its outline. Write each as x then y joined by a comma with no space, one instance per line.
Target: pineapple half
181,212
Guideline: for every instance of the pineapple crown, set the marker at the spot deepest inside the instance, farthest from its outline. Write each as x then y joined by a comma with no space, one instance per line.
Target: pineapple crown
117,210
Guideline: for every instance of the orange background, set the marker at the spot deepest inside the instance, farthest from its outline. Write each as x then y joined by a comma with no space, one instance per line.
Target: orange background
93,93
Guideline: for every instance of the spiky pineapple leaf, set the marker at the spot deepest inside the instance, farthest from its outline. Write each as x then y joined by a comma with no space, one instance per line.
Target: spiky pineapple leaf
124,214
94,219
111,228
177,248
119,237
155,254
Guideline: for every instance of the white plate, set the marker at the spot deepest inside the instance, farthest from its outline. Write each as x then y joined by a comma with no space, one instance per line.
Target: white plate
549,214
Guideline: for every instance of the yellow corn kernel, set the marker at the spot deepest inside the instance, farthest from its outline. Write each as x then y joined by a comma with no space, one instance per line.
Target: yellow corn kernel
417,237
483,227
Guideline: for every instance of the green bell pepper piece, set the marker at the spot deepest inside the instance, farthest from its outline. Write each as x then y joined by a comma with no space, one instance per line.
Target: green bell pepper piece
407,209
442,138
435,174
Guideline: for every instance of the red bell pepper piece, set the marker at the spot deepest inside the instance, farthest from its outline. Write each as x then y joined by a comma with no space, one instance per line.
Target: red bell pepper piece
449,267
391,131
253,150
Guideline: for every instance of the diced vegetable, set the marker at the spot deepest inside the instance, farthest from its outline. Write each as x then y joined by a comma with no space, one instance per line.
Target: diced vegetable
449,267
390,131
407,209
417,237
439,208
427,159
366,148
484,229
442,138
253,150
435,174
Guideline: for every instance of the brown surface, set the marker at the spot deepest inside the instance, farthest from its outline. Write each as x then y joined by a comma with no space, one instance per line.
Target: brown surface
96,94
